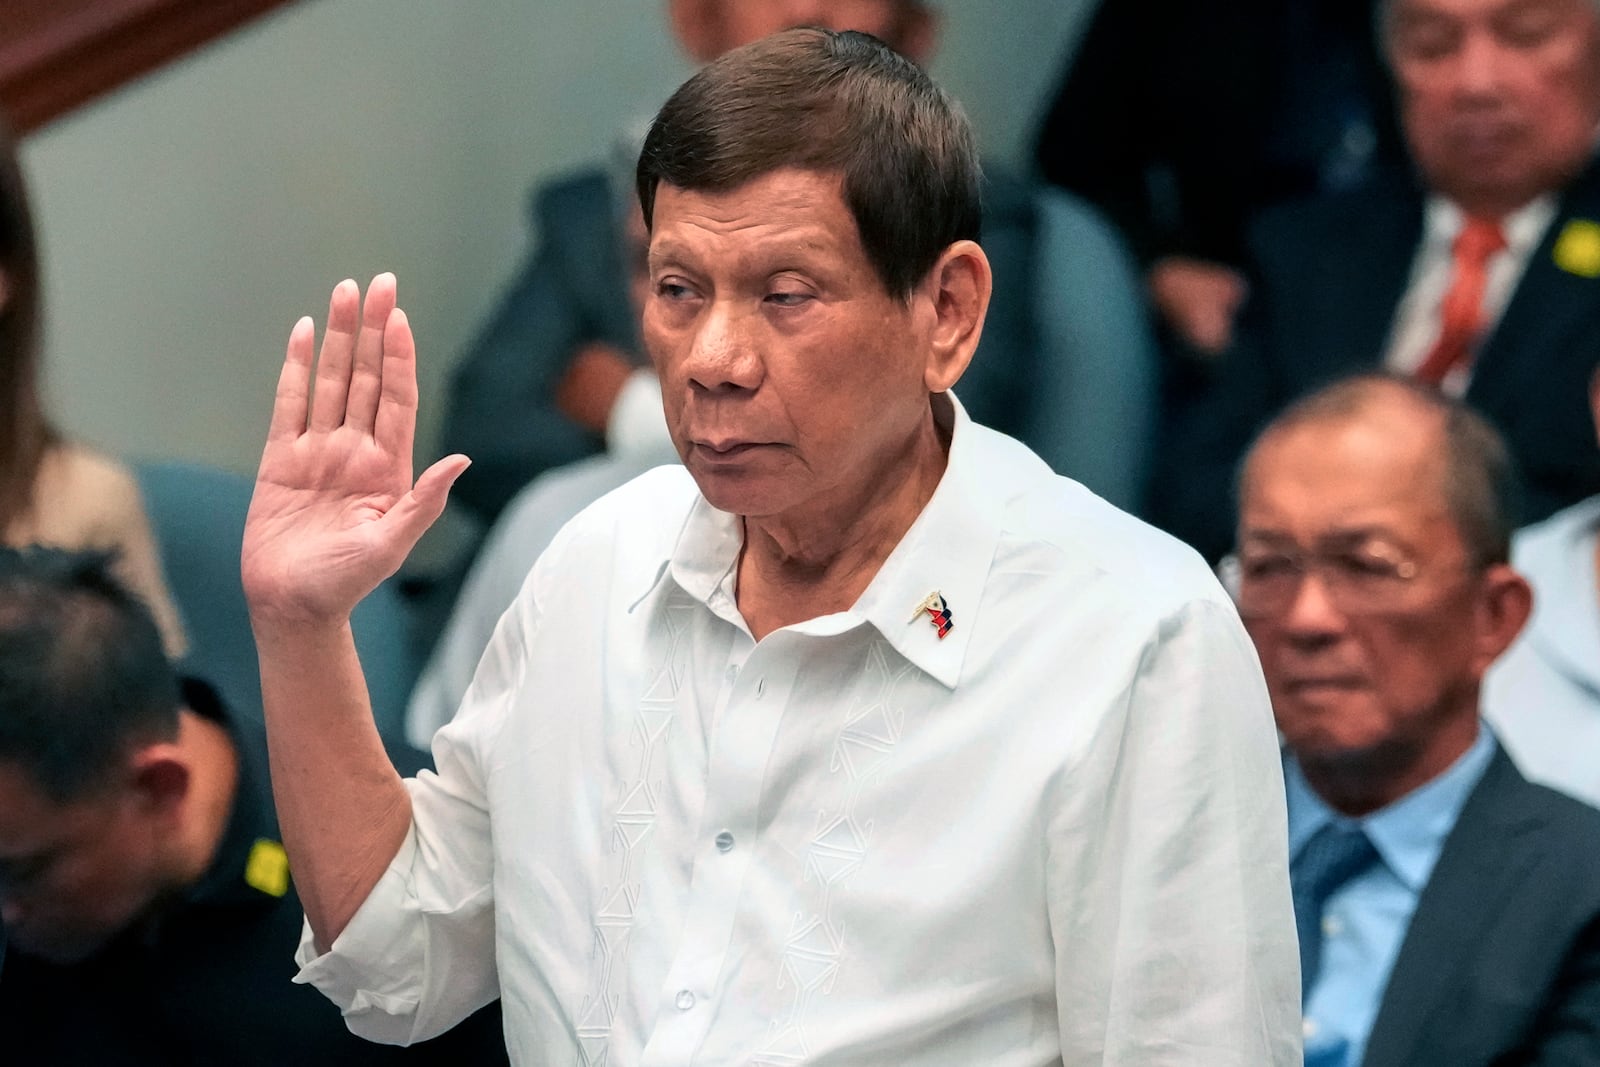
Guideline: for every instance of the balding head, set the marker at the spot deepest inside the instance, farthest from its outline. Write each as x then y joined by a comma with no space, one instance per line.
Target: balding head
1460,457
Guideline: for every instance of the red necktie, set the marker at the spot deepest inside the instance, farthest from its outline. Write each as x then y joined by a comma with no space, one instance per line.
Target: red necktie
1461,314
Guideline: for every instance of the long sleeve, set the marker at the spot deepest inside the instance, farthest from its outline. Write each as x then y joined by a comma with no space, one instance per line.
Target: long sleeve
1168,866
419,955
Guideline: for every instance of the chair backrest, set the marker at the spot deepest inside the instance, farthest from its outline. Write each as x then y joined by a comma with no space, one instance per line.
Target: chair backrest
1095,383
198,512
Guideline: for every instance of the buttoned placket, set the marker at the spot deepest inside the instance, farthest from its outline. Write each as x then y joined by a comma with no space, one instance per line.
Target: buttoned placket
757,682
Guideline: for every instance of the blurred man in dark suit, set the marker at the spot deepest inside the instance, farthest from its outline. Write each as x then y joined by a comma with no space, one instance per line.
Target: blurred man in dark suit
1448,910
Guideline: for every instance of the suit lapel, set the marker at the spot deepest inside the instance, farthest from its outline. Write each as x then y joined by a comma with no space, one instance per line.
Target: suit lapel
1548,302
1479,867
1374,255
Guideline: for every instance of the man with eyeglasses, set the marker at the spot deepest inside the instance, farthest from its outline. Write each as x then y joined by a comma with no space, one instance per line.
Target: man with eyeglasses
1448,910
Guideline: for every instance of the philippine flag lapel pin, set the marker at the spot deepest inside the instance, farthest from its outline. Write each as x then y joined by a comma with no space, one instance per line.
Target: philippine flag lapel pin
938,612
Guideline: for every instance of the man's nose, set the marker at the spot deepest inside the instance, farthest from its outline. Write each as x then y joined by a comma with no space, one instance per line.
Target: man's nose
724,355
1480,66
1312,615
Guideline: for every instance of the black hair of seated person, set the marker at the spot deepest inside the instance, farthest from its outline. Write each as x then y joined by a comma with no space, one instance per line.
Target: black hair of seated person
83,676
25,433
839,102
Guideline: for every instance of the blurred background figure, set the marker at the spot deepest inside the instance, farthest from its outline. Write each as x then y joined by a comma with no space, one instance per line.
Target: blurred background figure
1181,119
54,490
1479,273
147,913
1448,910
1543,696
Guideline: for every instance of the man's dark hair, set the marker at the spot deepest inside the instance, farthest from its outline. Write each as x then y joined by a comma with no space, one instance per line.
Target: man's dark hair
840,103
83,677
1481,488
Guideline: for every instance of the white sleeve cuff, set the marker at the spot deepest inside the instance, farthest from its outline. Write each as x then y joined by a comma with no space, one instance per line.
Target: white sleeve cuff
373,970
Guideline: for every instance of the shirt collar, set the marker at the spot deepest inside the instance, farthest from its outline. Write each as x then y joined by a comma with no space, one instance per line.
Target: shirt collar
1522,228
946,552
1410,832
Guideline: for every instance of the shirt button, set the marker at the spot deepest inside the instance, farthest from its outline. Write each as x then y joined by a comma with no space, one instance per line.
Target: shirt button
761,687
1309,1028
685,1000
724,842
732,672
1331,926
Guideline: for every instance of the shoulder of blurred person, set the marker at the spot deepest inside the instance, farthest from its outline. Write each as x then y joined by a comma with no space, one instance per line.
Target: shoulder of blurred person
571,290
1543,696
84,498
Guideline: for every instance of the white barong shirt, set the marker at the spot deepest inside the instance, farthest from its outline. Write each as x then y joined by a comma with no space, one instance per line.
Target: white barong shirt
1056,834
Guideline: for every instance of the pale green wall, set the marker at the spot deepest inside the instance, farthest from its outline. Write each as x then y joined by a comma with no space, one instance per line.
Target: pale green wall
189,219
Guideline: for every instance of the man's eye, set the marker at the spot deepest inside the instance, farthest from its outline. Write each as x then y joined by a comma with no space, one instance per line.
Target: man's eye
788,300
1529,25
1427,39
670,290
1364,566
1266,568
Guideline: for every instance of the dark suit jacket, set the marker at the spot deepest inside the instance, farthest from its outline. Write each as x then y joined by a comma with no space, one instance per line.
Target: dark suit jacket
1169,111
1501,964
1328,276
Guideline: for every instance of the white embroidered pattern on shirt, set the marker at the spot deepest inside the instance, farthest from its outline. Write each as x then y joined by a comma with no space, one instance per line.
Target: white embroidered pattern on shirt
815,948
633,818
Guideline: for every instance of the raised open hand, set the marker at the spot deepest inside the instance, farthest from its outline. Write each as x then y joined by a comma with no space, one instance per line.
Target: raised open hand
335,511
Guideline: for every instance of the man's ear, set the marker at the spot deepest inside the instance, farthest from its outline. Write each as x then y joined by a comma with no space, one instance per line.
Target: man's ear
959,286
161,778
697,25
1503,611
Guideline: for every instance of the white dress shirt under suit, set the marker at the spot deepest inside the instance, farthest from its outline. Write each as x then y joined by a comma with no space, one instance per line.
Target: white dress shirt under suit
1417,320
1055,835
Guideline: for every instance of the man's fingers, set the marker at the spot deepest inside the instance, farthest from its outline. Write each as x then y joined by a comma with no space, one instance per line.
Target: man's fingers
294,384
417,510
396,423
338,348
366,376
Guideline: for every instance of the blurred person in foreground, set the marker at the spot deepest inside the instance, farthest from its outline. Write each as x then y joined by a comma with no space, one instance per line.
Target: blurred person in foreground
1449,910
147,913
861,738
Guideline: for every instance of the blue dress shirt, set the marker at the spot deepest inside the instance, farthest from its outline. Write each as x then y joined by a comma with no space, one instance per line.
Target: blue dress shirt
1366,920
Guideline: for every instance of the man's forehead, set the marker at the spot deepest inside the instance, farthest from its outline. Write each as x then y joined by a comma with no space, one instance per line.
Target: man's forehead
1468,9
1347,474
802,211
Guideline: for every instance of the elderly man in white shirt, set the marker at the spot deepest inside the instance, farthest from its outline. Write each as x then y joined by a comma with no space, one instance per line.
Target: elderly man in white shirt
860,739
